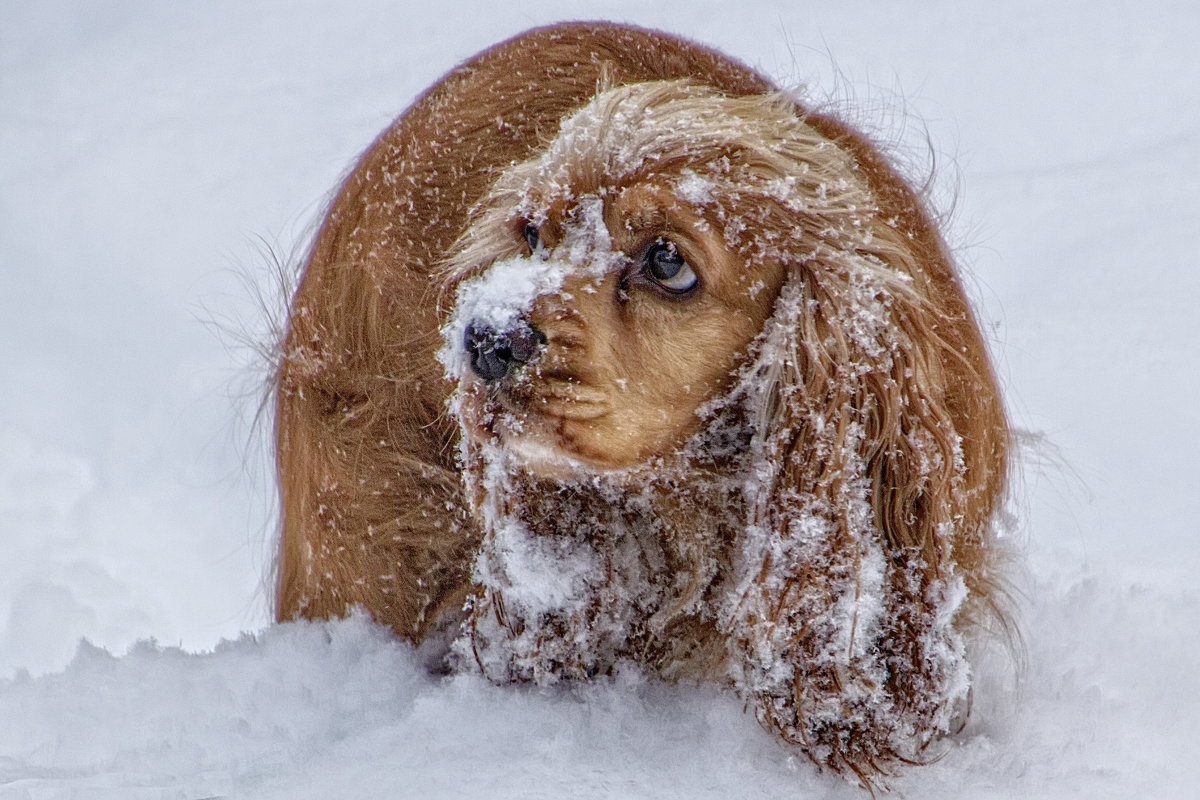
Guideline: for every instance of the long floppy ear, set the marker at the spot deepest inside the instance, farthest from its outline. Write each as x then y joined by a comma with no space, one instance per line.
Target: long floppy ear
882,426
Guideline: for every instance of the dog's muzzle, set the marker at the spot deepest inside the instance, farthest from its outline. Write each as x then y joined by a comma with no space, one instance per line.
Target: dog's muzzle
494,354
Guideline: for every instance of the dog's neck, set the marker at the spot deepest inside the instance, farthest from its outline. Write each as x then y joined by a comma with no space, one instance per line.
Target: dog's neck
577,574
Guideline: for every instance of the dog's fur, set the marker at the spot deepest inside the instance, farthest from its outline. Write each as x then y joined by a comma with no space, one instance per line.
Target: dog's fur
785,478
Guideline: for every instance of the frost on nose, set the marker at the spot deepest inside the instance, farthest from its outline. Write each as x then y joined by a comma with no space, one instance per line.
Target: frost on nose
487,332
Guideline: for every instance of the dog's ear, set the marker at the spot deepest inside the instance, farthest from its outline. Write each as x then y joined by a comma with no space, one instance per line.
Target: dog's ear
879,416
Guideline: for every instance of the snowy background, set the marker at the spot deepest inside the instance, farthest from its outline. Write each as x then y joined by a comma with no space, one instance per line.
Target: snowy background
150,152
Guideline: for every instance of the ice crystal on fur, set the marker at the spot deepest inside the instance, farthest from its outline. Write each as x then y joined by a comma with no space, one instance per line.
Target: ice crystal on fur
694,189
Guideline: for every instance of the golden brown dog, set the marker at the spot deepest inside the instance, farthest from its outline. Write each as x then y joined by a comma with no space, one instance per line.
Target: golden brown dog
609,352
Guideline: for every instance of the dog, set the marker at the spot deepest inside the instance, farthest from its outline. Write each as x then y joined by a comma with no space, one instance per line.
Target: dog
608,352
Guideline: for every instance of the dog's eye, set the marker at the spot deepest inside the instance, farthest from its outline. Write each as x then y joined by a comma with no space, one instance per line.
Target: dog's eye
532,239
665,266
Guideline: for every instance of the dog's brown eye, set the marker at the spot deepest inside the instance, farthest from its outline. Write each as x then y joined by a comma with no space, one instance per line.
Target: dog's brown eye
665,265
532,239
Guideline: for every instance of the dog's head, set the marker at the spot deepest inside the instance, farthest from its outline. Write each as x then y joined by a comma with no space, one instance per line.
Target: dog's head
613,283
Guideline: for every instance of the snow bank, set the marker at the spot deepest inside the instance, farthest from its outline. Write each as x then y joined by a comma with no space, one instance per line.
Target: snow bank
344,710
341,710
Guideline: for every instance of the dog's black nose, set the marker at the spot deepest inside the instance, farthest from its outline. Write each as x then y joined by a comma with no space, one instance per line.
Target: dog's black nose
496,353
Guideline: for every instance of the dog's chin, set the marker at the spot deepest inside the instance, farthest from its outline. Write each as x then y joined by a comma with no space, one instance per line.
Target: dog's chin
556,444
546,460
540,445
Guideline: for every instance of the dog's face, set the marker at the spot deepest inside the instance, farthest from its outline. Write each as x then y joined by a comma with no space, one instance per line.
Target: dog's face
606,369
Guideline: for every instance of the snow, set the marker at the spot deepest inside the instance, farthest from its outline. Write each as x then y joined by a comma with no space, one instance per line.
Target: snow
147,148
495,301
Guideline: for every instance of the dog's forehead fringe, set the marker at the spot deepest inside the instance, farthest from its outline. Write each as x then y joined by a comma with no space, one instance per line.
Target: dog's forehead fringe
629,129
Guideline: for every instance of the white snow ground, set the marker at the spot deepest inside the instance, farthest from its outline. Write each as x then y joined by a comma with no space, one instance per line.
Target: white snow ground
144,149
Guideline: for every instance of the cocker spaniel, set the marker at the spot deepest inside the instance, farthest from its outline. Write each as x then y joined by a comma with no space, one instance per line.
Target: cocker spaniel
609,352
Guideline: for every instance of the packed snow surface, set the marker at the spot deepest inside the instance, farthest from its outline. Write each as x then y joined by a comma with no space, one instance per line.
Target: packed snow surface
150,153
